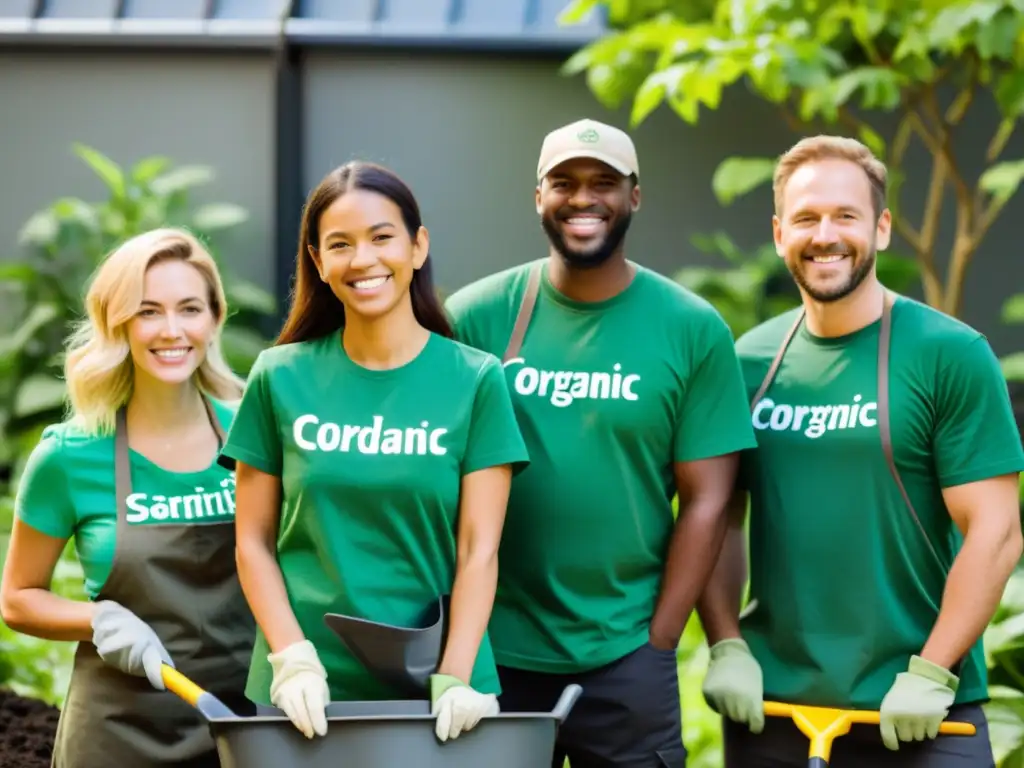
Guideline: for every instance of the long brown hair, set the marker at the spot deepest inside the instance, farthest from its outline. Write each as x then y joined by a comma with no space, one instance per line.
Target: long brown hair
315,311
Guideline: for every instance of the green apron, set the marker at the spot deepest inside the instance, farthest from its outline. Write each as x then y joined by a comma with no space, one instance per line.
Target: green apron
180,580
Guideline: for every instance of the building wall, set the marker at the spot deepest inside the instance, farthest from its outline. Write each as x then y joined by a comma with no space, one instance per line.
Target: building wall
463,128
193,107
465,133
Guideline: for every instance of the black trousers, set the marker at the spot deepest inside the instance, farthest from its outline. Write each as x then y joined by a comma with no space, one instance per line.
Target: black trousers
628,715
782,745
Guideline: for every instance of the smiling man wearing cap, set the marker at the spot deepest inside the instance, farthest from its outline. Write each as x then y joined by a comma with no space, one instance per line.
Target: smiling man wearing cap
627,388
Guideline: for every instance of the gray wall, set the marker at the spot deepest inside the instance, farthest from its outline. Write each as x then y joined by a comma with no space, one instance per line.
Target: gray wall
465,132
463,129
193,107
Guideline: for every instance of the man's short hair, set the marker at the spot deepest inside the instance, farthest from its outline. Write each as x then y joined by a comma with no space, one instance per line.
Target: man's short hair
816,148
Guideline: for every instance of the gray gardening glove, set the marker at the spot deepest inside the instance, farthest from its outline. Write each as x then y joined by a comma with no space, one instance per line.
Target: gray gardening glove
126,642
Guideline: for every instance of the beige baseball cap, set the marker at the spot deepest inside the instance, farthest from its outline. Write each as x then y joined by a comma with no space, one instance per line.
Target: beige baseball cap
588,138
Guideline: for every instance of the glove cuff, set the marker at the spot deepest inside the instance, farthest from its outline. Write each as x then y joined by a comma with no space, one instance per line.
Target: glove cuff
102,608
931,671
297,657
439,684
733,646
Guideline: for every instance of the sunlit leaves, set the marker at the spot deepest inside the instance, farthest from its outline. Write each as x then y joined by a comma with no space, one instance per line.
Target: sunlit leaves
736,176
819,56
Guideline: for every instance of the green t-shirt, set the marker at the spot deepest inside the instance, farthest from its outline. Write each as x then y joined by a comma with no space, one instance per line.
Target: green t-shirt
67,490
371,464
608,395
846,588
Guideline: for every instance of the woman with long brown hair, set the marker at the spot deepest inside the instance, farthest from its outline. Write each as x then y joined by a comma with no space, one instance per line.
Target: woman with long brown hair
374,458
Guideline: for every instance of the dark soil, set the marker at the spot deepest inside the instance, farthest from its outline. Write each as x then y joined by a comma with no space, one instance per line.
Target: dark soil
27,729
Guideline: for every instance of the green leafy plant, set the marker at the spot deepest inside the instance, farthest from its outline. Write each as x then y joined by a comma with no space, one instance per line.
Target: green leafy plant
746,290
1013,314
42,294
63,244
1004,650
32,667
842,67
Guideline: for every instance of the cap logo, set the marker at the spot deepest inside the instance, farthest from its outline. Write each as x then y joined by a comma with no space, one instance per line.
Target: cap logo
589,136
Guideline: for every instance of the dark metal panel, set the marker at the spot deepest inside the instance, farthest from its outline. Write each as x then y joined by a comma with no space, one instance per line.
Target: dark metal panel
495,26
18,9
165,9
289,162
507,17
80,9
77,36
249,9
415,16
332,22
347,11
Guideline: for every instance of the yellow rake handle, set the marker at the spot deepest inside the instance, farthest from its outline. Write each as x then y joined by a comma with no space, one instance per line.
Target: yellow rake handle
208,705
180,685
822,725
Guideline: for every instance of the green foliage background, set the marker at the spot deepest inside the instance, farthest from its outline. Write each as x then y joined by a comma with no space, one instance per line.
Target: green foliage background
62,245
832,66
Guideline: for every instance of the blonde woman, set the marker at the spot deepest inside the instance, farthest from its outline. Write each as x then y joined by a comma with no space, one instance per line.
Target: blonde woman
132,477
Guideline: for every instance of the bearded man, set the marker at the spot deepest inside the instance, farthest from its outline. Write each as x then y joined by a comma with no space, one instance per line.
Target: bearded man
883,497
627,389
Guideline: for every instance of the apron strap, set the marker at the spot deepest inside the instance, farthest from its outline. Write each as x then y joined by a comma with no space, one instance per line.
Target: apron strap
774,367
515,341
122,466
884,422
122,459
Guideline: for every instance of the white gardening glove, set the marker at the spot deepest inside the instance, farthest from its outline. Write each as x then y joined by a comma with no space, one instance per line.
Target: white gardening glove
458,707
126,642
300,688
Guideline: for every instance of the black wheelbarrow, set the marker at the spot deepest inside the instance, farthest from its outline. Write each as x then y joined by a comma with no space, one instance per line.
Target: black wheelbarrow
823,725
380,734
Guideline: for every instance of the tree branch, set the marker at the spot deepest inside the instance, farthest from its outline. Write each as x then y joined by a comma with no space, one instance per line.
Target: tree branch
917,240
897,150
1000,139
796,125
929,232
965,97
964,243
942,145
985,221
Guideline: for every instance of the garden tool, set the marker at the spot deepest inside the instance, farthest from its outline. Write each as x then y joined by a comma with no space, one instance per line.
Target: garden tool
403,657
374,734
822,725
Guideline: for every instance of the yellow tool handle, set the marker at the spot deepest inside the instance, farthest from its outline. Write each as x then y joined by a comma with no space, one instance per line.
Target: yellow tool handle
180,685
778,709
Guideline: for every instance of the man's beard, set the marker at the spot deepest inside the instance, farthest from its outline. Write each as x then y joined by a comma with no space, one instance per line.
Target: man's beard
592,258
862,267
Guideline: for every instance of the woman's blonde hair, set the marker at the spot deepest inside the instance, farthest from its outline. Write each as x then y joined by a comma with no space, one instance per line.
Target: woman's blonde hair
98,368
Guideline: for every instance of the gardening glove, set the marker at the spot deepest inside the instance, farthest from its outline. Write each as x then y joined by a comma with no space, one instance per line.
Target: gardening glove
917,703
458,707
126,642
300,687
733,685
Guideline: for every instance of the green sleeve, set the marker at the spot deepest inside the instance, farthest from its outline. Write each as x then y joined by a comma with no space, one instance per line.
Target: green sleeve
714,419
494,436
254,438
975,435
43,501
